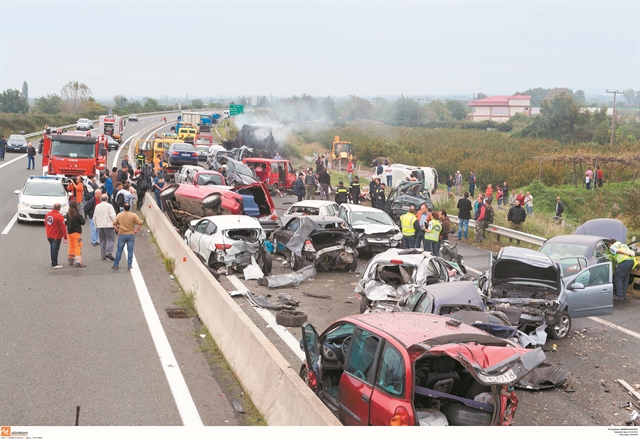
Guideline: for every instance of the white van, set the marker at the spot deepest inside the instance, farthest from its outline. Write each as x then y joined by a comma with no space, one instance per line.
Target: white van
401,172
225,114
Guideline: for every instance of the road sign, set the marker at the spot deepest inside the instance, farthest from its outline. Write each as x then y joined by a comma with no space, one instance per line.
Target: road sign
234,110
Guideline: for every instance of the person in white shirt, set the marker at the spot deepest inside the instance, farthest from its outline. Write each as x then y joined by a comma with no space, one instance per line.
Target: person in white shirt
528,203
388,173
103,216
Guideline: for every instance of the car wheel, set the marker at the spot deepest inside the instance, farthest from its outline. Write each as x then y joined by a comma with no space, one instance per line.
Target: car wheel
290,318
168,193
295,262
352,266
364,304
561,329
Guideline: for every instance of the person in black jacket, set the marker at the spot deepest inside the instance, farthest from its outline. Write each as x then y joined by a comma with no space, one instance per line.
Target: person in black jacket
75,221
31,157
378,198
299,188
142,186
464,215
559,207
354,190
341,193
516,217
325,181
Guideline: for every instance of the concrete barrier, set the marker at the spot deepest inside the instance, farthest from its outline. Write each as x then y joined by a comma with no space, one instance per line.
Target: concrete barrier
275,388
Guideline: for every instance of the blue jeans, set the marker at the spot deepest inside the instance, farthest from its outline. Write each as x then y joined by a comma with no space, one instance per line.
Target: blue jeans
408,242
94,232
426,244
122,240
435,248
419,238
31,162
529,210
389,181
463,228
621,277
158,199
54,248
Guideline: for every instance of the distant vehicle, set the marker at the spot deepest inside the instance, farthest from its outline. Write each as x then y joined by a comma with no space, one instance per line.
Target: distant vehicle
187,134
38,195
203,152
204,139
74,153
111,125
133,118
225,114
17,143
310,207
341,153
113,145
276,174
84,124
401,173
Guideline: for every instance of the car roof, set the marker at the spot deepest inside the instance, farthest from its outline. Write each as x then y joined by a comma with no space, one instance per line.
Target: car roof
361,208
234,221
394,253
312,203
410,328
574,239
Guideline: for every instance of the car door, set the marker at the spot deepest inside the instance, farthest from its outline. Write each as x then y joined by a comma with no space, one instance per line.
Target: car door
198,231
284,234
356,383
342,213
311,348
205,244
590,292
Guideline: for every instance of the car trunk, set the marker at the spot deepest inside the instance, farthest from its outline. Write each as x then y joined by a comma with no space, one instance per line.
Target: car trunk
256,200
390,283
466,383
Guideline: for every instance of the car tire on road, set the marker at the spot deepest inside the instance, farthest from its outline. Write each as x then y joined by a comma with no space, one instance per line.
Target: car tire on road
561,329
290,318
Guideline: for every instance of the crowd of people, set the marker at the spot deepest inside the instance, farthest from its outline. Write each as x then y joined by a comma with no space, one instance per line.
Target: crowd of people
107,205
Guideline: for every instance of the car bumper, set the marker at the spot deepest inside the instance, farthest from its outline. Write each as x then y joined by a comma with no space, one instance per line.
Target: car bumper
16,148
36,215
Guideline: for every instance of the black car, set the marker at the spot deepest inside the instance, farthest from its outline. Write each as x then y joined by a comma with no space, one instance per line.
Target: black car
326,241
17,143
179,154
408,193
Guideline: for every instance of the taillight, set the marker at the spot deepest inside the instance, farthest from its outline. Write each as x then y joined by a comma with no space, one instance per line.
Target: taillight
396,261
274,215
308,246
400,417
194,154
223,246
175,153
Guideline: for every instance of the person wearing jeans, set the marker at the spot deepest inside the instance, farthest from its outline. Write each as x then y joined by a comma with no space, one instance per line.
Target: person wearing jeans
56,231
127,224
464,215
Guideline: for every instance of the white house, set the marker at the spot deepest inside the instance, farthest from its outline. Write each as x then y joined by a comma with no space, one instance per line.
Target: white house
499,108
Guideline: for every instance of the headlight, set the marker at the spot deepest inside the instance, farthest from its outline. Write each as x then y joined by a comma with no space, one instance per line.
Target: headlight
397,236
25,204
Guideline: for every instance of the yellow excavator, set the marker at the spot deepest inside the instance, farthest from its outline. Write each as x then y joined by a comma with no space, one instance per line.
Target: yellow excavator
341,153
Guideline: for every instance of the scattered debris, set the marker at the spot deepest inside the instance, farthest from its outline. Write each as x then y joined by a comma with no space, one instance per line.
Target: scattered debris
289,280
348,301
634,419
291,318
624,405
172,277
252,271
317,296
237,406
545,376
235,293
288,299
630,389
203,335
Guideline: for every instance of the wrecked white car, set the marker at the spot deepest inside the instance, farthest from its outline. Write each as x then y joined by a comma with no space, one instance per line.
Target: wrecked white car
396,273
528,287
229,241
376,230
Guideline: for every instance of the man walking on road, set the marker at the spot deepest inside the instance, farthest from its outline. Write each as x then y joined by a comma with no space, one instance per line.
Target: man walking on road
458,183
625,262
464,215
31,157
127,224
56,231
103,216
89,211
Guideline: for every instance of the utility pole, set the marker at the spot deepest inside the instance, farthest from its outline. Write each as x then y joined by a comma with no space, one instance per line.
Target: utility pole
613,116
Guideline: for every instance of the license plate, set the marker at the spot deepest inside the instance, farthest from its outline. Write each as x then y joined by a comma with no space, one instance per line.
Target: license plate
506,377
186,154
42,212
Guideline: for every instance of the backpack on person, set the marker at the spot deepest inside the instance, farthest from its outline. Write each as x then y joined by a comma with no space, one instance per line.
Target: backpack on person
120,200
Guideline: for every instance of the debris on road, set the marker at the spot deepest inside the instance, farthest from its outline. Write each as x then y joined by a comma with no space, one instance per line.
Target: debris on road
545,376
317,296
288,299
290,279
237,406
630,389
291,318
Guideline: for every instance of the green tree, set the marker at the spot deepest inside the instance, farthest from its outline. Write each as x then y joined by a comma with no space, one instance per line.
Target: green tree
358,108
74,95
25,91
120,101
557,120
481,96
50,104
12,101
457,109
150,105
197,103
405,112
436,111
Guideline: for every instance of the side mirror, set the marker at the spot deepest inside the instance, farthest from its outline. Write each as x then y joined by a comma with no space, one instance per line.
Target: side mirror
17,192
577,286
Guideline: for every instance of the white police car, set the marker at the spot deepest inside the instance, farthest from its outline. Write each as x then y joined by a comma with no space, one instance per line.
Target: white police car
38,195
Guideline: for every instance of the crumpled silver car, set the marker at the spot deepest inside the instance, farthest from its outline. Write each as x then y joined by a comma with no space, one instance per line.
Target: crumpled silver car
396,273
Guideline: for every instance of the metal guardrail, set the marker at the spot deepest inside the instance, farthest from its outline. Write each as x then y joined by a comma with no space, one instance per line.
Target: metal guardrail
503,231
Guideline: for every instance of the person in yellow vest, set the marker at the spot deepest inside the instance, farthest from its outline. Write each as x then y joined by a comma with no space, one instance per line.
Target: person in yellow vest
410,226
625,262
432,234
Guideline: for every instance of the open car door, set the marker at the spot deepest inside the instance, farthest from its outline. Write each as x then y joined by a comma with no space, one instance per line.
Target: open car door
311,347
590,292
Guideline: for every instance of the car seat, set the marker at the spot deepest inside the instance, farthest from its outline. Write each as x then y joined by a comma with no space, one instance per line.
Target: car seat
443,378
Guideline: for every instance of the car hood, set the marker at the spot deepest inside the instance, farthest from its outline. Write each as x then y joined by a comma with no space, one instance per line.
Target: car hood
604,227
489,364
16,142
506,270
373,229
46,201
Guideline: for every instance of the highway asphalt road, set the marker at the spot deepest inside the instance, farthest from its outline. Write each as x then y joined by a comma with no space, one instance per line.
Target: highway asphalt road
96,337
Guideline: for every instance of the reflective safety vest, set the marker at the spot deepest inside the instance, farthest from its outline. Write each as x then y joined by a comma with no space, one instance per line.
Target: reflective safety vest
434,234
622,257
406,221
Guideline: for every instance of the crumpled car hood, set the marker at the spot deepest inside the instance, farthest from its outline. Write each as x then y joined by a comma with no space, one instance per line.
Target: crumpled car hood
371,229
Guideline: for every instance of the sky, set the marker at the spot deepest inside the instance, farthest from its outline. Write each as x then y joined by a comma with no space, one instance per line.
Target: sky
342,48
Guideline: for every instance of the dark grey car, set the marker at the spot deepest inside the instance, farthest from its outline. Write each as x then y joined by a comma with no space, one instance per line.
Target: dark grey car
17,143
575,252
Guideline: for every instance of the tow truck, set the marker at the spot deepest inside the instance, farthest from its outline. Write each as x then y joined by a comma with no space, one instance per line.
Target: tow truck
73,153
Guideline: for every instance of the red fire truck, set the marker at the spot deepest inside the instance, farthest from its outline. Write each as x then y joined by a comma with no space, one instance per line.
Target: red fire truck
111,125
73,153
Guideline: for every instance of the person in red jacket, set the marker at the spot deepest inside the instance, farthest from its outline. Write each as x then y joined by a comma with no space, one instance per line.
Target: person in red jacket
56,231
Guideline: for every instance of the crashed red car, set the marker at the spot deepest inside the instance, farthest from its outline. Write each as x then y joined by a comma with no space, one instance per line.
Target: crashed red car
414,369
186,202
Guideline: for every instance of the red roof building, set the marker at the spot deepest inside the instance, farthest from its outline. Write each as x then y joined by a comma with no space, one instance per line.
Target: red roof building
499,108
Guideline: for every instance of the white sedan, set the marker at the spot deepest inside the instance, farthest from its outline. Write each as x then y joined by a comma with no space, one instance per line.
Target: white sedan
229,241
310,207
38,195
377,231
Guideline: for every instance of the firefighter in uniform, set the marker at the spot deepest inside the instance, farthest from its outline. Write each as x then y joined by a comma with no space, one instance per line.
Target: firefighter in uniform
341,193
354,190
410,225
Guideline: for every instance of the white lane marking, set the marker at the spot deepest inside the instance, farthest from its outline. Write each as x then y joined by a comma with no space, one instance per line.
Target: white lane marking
284,334
473,270
11,223
115,157
184,402
11,161
613,325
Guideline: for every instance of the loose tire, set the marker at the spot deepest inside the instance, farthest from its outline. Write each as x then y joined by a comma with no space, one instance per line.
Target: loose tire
267,262
561,329
290,318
